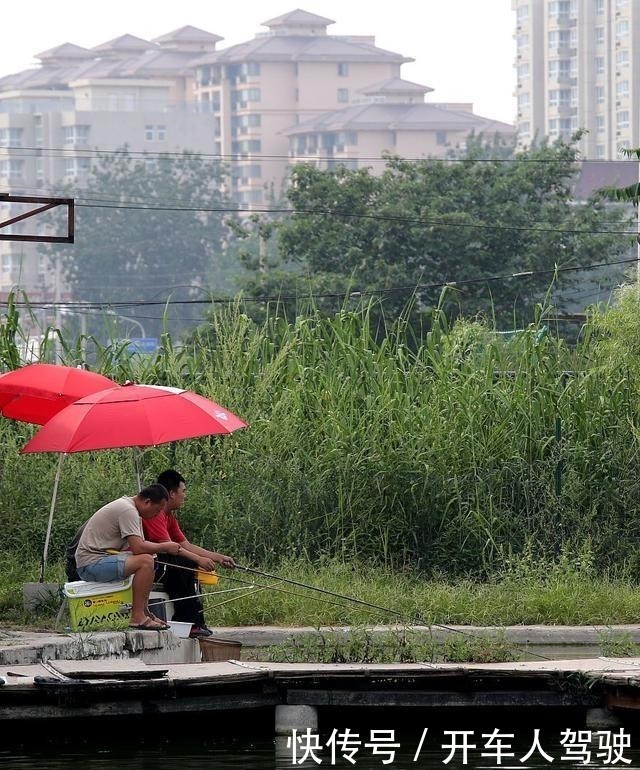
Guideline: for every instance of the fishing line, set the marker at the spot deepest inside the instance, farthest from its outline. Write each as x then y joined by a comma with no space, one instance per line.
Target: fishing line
417,619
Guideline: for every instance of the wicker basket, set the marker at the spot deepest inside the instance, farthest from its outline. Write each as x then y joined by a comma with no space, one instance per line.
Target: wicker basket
212,649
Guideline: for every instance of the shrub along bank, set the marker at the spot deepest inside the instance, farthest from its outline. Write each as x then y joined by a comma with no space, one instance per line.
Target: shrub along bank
442,453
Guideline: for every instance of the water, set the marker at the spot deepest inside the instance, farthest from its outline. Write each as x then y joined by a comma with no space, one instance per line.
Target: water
198,749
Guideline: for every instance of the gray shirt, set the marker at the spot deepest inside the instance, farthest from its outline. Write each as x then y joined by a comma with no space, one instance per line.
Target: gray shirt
108,528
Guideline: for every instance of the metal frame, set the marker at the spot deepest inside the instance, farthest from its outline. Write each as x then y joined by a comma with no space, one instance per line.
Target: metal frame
49,203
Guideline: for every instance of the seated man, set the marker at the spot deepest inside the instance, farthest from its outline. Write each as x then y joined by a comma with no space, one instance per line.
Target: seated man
179,582
117,526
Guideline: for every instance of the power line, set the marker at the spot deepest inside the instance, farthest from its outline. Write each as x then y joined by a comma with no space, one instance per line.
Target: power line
351,294
66,152
352,215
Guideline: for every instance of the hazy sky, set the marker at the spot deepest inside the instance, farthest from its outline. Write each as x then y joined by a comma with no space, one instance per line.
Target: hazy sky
463,48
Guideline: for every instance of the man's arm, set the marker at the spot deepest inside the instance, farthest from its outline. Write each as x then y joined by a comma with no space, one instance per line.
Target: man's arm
214,556
138,545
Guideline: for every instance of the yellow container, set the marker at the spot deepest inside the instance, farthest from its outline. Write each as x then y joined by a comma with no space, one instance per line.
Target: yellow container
207,578
94,606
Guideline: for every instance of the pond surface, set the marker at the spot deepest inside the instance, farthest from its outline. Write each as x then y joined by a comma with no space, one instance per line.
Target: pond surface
566,746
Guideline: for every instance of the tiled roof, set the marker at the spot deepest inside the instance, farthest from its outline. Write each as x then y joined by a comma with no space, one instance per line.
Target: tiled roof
398,117
298,17
302,48
64,51
188,34
124,44
395,86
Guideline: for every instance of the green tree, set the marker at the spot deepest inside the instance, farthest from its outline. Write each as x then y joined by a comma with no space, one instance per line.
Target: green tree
148,228
430,222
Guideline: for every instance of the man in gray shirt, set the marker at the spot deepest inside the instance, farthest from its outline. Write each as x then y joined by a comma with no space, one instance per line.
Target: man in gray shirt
115,527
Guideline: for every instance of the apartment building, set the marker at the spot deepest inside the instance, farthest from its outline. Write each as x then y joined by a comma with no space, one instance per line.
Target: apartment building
127,91
389,117
578,67
260,89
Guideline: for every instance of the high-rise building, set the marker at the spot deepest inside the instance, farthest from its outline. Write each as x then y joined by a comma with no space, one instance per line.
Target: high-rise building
578,67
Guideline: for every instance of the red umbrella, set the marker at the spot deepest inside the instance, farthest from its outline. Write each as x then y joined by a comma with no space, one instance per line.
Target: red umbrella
36,392
132,415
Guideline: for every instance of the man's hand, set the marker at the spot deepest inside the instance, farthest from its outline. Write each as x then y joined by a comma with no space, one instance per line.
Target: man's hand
208,565
172,548
226,561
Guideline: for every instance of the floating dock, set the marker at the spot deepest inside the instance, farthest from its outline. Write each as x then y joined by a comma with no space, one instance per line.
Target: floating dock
72,689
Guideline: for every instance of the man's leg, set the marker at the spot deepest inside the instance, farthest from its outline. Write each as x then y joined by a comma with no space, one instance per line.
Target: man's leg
142,568
179,583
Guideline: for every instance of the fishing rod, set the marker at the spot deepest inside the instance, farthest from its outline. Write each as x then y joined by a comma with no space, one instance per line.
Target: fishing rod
417,618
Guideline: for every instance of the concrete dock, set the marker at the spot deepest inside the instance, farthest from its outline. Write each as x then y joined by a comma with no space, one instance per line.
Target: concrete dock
117,674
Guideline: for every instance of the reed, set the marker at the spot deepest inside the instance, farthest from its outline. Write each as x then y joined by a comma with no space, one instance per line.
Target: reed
443,452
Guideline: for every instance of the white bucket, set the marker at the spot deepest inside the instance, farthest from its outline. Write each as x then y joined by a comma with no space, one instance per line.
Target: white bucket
179,629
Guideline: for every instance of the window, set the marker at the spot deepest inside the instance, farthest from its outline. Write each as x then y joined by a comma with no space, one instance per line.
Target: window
252,68
598,7
7,264
343,95
441,137
42,264
559,68
600,151
522,14
559,38
253,94
622,89
522,43
599,94
562,9
77,134
599,65
12,168
37,130
10,137
622,58
524,129
622,28
76,166
524,71
599,35
39,170
560,97
622,4
600,127
153,133
343,69
523,100
622,119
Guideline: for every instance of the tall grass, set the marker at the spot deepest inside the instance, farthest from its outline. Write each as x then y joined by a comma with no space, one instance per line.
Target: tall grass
445,453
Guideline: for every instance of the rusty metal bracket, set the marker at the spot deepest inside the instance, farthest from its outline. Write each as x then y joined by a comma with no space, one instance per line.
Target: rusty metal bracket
49,203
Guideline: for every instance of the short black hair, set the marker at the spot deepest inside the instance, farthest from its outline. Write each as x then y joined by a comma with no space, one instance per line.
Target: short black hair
171,480
155,493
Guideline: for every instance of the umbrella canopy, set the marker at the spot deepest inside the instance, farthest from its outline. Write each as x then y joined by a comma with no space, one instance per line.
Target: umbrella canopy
132,415
37,392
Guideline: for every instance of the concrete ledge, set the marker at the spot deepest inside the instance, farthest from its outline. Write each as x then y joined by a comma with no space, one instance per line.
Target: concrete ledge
27,647
570,636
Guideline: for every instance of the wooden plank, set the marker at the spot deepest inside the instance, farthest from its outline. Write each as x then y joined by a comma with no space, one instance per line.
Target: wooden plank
107,669
439,699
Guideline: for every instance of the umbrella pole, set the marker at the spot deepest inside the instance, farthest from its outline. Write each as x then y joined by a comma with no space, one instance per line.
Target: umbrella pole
43,564
137,461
